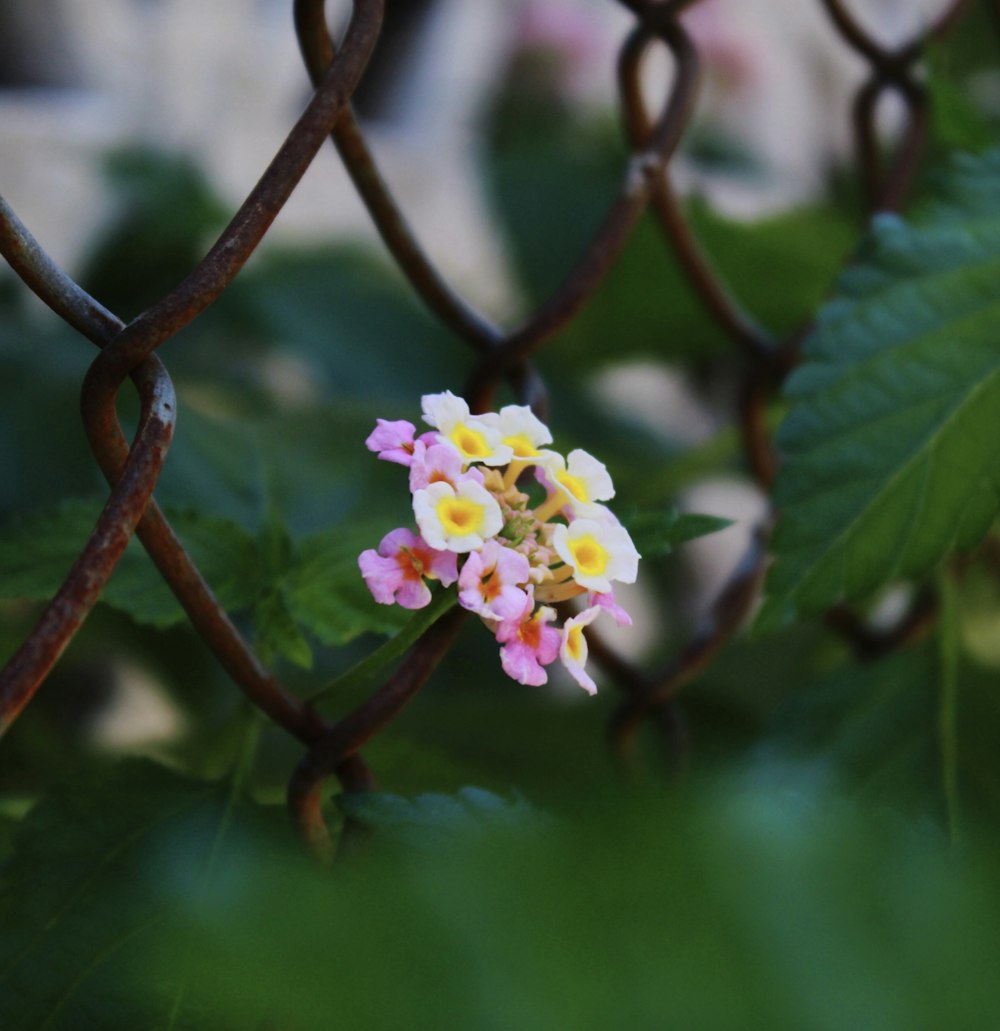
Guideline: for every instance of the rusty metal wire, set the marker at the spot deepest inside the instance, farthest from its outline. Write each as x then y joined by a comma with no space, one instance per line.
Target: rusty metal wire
890,69
768,361
129,351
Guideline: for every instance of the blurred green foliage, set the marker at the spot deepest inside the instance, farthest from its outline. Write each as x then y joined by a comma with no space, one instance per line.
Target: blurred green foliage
736,906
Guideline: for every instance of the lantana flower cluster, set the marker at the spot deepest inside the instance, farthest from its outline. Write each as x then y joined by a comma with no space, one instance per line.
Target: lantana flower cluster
513,553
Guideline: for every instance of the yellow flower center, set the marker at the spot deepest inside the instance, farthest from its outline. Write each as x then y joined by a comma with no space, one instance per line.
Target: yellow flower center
574,485
575,642
588,556
521,446
460,516
471,443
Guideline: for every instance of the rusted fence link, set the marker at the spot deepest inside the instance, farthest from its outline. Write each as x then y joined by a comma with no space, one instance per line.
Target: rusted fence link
449,307
99,325
695,264
64,614
454,311
891,69
644,167
337,751
768,361
134,472
240,238
505,352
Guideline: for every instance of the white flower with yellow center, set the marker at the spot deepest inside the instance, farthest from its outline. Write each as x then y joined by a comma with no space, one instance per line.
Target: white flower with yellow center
573,649
598,551
460,518
476,438
580,480
524,433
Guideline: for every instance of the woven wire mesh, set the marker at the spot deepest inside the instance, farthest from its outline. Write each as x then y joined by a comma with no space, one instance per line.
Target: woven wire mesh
498,354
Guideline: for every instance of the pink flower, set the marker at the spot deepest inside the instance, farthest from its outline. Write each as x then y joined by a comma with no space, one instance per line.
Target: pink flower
393,440
396,572
437,463
488,583
606,600
529,644
573,651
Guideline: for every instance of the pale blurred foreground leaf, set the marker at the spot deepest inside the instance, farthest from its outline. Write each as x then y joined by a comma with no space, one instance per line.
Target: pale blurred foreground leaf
154,901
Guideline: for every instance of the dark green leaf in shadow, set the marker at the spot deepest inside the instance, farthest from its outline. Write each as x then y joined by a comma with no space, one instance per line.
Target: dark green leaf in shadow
915,731
352,316
277,632
89,885
741,908
313,585
363,672
431,820
37,551
325,592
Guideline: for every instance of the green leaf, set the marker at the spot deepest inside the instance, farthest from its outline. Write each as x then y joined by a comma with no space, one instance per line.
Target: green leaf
637,914
868,730
957,122
346,309
37,551
889,457
658,533
550,193
278,633
373,663
916,731
313,585
427,821
325,592
85,894
150,901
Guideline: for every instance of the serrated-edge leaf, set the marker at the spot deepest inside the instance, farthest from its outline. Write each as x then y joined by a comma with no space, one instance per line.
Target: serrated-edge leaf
889,457
325,592
312,585
37,550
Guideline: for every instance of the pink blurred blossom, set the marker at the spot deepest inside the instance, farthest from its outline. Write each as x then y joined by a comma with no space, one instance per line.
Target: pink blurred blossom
529,644
396,572
488,583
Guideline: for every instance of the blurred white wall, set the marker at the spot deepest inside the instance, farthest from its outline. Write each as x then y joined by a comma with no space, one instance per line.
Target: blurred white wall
223,80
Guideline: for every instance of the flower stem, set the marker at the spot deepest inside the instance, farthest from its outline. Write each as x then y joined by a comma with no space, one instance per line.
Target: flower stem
514,470
558,592
551,505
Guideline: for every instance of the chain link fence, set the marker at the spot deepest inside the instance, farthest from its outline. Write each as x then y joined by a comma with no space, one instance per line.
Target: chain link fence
498,353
